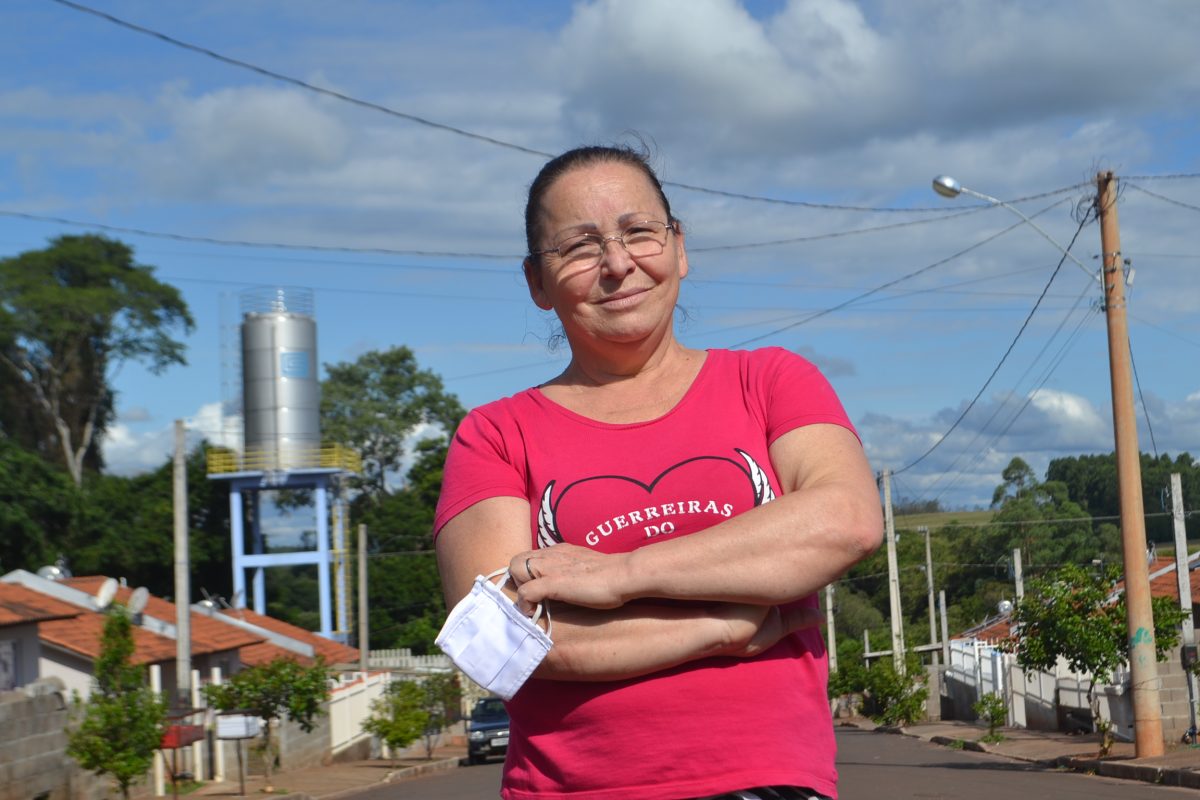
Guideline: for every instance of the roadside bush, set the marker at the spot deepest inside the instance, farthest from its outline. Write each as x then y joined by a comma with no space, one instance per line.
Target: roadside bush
896,699
991,709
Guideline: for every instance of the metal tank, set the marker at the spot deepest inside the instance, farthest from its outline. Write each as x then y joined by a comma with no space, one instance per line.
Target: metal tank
280,388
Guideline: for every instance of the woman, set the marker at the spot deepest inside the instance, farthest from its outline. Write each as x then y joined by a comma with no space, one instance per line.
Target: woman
692,667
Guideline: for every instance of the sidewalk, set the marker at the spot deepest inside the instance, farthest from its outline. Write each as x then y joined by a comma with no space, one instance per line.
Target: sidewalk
337,780
1178,766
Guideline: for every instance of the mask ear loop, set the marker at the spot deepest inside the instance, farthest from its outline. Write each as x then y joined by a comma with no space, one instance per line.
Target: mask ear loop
537,611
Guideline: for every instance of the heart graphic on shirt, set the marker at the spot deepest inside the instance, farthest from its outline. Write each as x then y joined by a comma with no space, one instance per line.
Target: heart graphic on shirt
617,513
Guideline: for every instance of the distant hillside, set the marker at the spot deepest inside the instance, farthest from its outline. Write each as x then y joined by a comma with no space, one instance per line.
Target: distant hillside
938,519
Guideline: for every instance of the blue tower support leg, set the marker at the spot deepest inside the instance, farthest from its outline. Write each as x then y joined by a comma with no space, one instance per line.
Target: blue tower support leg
323,557
260,581
238,545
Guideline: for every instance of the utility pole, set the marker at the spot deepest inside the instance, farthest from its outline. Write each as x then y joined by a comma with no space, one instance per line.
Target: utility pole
929,584
945,628
1183,579
183,589
1018,574
1147,713
893,575
831,645
364,644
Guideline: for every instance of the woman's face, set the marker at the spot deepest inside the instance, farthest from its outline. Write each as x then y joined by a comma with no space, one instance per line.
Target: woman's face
619,300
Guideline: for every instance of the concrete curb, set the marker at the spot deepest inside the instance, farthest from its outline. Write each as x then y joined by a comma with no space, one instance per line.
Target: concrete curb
433,767
1122,769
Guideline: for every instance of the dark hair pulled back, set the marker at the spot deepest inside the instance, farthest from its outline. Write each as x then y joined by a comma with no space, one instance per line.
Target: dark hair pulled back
584,157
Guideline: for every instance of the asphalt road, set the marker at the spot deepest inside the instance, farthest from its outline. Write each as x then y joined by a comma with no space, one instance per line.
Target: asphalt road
892,767
872,766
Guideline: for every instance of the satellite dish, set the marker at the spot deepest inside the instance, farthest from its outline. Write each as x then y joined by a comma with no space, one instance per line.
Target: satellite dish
50,572
137,601
1004,606
106,593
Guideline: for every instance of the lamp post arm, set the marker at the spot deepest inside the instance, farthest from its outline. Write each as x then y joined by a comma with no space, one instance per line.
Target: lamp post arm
1030,223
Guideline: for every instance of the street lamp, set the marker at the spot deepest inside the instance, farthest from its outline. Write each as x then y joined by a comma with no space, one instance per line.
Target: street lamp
948,187
1147,713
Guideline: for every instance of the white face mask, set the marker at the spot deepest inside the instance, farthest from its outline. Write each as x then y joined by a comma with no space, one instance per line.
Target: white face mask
489,639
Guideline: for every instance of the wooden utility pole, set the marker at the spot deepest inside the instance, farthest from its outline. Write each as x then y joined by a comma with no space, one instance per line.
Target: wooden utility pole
893,575
183,589
1147,713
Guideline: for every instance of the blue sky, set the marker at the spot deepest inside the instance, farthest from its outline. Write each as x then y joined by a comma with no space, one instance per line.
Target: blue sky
813,101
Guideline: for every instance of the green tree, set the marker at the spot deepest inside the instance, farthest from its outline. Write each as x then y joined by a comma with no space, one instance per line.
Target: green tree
397,717
1073,614
272,691
38,508
70,315
412,709
123,720
122,528
442,701
1091,481
896,698
376,403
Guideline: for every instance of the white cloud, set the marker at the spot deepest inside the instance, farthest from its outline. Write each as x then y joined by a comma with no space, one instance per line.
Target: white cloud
129,450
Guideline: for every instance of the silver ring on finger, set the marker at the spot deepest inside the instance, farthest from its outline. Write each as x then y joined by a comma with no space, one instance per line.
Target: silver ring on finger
528,568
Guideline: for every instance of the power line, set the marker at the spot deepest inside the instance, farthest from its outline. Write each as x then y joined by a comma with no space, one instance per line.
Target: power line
901,279
1007,352
982,452
837,234
235,242
1029,397
1142,397
1167,331
279,76
386,251
1164,198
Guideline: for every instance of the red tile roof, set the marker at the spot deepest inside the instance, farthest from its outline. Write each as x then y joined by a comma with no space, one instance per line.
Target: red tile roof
333,652
208,635
82,635
18,604
1164,585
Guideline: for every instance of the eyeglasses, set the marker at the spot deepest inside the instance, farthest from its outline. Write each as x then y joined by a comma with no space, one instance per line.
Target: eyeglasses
585,250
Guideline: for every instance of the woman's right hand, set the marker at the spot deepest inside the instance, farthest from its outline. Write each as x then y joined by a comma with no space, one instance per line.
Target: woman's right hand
755,629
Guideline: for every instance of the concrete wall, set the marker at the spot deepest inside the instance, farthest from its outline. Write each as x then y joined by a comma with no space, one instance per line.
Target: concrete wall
1173,695
33,743
294,747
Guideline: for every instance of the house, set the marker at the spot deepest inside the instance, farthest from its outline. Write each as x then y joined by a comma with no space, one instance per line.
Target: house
22,610
68,644
281,639
1058,699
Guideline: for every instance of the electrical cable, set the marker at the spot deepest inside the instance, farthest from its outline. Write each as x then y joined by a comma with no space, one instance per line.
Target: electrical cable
980,453
183,237
1142,397
1003,358
1164,198
890,283
1060,357
235,62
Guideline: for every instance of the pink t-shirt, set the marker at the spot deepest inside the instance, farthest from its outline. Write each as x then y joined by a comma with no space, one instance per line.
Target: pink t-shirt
706,727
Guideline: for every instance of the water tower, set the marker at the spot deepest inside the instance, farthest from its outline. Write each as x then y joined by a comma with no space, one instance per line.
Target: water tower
282,449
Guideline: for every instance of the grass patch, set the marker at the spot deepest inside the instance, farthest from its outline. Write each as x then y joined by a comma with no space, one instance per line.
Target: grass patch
938,519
